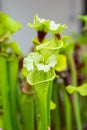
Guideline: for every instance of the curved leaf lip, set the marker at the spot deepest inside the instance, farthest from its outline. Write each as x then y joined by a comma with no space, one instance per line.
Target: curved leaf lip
48,46
42,81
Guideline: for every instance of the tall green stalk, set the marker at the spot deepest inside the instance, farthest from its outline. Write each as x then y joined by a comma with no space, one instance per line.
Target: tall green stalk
67,108
56,112
84,57
5,92
13,81
75,95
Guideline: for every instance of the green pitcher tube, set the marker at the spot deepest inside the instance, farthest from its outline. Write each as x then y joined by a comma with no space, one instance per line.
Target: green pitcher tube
5,91
13,81
41,91
28,111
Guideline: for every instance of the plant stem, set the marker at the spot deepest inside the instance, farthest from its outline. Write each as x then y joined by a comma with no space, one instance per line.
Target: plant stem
67,106
75,95
5,89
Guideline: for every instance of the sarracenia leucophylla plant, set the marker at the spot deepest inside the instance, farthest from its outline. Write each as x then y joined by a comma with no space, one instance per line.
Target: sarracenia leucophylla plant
68,50
9,53
41,65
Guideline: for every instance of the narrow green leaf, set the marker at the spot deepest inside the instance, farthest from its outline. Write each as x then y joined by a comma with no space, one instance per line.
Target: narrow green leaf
24,72
71,89
82,90
52,105
51,44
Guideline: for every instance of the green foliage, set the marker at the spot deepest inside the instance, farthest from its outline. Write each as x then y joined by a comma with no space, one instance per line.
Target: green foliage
8,25
9,52
68,44
83,18
82,38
